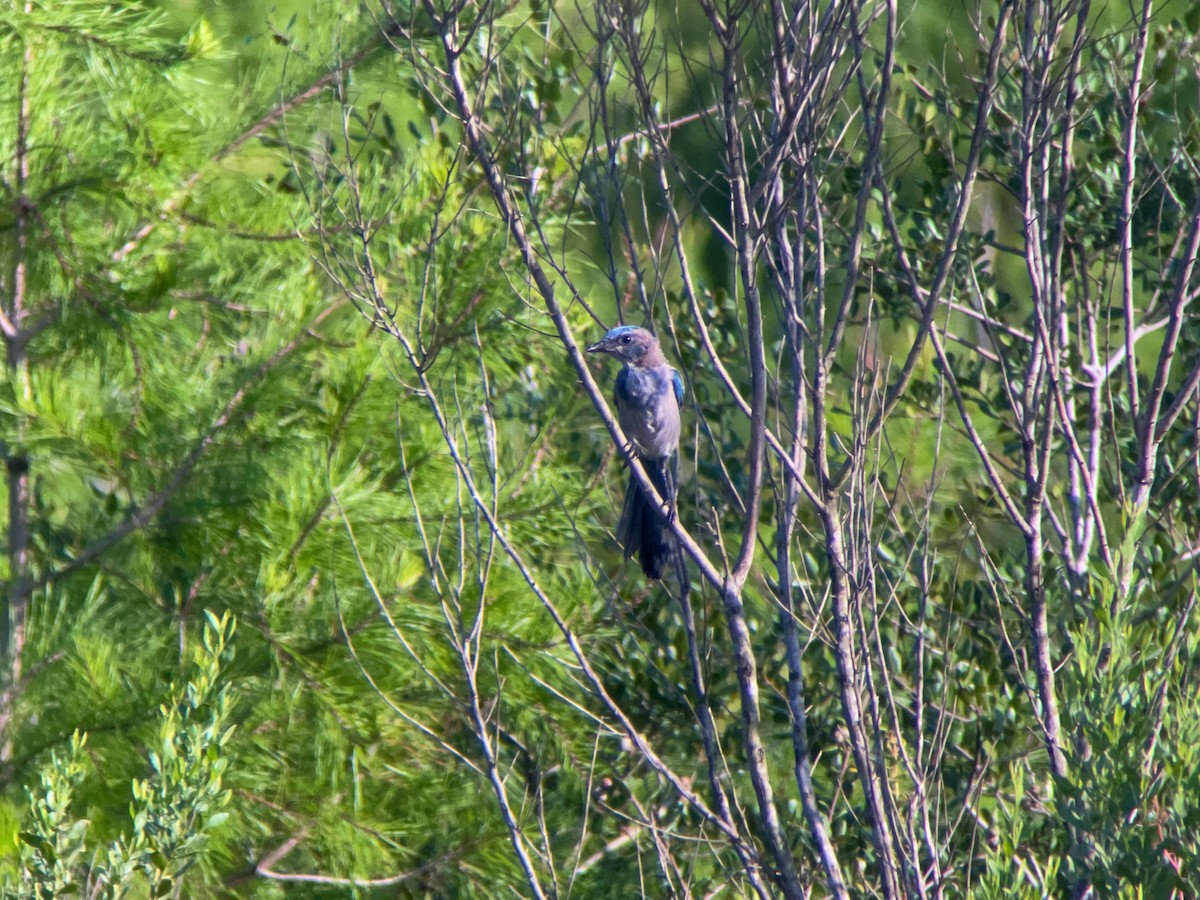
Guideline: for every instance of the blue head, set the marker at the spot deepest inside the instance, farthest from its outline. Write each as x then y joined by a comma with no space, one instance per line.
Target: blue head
635,346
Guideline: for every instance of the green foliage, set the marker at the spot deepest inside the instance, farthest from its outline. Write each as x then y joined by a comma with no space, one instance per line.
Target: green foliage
174,810
54,844
1136,722
224,409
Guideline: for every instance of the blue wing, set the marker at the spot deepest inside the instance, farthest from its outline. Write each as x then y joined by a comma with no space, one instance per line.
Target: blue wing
620,389
677,383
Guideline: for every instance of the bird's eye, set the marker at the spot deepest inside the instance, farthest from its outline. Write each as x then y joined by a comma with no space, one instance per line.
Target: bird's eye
626,339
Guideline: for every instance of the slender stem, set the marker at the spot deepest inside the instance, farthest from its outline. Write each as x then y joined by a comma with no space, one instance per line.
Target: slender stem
788,616
959,220
746,232
16,612
708,727
501,196
493,771
1128,175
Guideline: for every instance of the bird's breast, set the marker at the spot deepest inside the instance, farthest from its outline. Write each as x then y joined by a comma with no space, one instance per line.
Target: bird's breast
648,412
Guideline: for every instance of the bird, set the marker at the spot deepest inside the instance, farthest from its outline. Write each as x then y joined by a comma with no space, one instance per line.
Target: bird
648,394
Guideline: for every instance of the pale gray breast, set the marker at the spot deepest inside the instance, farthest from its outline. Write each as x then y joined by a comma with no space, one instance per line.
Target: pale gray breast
648,412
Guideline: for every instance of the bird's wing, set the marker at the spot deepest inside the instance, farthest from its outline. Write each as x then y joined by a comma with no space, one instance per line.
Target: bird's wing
677,383
620,388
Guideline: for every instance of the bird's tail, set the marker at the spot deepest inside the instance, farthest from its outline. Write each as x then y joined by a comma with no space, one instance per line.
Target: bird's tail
641,530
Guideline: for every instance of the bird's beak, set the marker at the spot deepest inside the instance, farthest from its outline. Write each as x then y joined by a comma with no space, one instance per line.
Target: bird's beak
597,347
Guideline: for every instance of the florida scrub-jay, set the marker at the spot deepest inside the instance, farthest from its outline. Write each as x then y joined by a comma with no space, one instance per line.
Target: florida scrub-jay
648,396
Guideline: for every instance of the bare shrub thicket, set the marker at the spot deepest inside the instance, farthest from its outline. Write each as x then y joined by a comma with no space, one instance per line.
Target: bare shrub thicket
938,512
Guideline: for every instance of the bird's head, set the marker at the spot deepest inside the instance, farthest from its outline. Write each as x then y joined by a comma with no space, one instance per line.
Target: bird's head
634,345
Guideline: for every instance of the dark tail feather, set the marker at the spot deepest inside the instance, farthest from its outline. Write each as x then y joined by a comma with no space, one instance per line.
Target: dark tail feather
641,530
